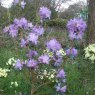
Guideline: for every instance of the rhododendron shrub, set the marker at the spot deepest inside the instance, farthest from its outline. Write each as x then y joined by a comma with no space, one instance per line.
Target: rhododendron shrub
37,58
44,63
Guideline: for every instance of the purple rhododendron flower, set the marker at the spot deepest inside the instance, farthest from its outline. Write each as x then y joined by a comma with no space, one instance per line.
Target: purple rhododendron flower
6,30
74,35
23,43
32,53
24,22
23,3
71,52
44,59
13,31
64,80
63,89
76,27
58,62
61,73
58,87
18,64
38,30
44,13
32,63
53,45
59,54
13,26
30,25
76,24
21,23
33,38
17,23
16,2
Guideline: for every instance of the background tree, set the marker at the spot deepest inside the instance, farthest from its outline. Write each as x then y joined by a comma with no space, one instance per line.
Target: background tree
91,22
31,10
73,10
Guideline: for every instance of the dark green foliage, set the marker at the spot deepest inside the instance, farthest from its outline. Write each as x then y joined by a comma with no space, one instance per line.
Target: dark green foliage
79,73
61,23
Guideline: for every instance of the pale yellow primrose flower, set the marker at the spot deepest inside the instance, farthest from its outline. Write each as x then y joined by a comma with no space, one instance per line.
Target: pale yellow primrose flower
14,84
45,72
11,61
4,72
87,55
90,52
92,57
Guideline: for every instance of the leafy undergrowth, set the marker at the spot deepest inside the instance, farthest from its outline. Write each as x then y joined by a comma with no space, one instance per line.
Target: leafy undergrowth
79,72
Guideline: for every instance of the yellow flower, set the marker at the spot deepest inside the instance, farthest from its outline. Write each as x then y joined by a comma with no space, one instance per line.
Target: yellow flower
14,84
11,61
90,52
3,72
87,55
92,57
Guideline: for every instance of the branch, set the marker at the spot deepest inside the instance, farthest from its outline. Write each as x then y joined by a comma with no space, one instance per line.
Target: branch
39,87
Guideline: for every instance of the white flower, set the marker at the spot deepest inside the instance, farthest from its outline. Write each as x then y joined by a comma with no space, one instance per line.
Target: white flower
14,84
45,72
41,77
48,75
6,3
11,61
62,52
52,76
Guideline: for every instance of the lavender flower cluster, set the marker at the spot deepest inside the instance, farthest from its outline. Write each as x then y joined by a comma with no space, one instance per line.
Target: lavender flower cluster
61,82
76,28
13,29
72,52
44,13
22,3
29,35
57,56
31,38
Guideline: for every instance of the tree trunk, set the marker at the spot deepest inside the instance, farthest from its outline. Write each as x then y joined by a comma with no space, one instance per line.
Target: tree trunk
91,22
